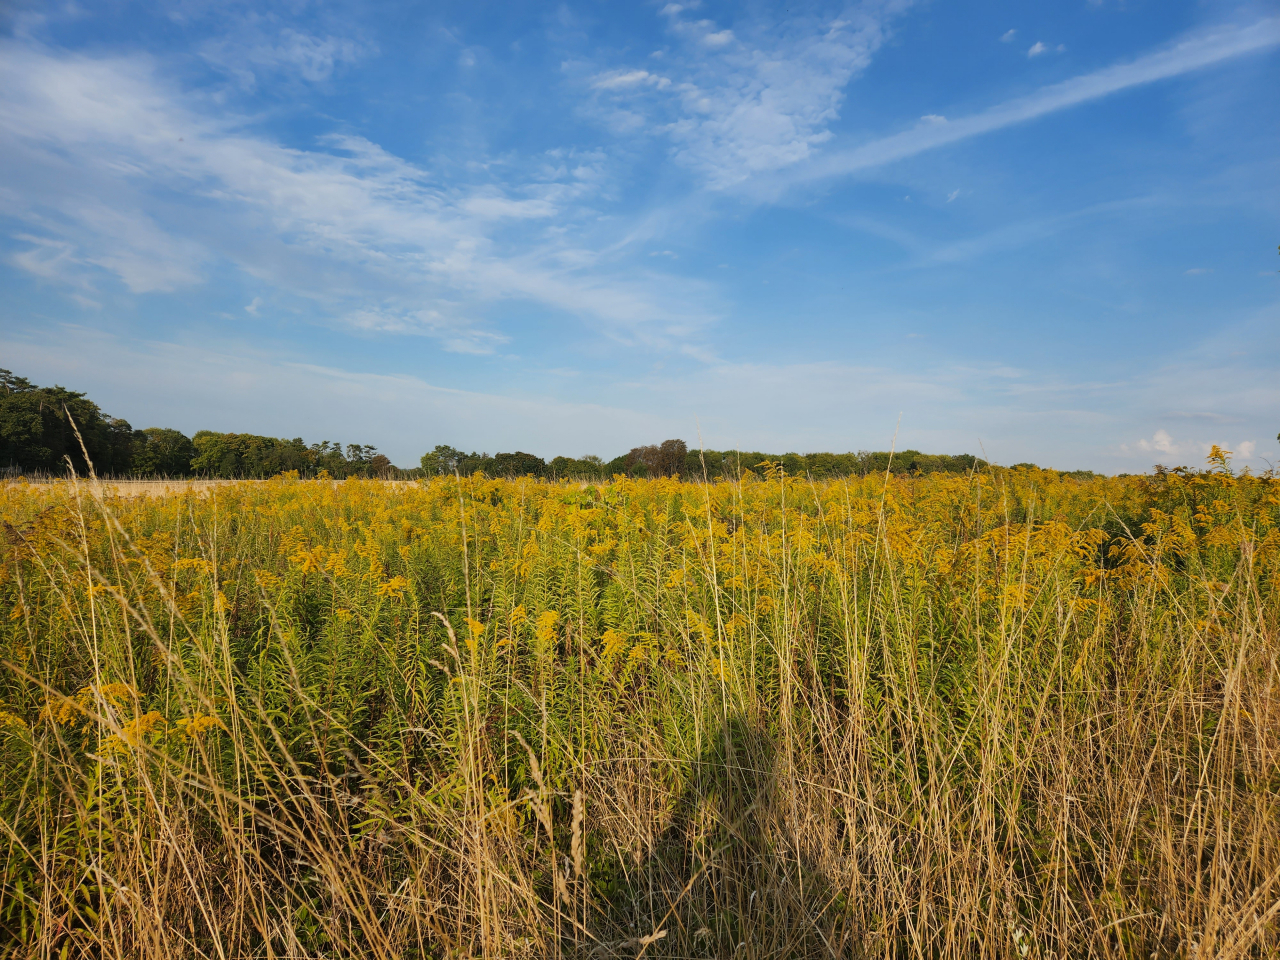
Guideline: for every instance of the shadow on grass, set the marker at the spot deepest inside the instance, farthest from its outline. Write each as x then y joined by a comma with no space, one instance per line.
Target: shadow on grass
728,865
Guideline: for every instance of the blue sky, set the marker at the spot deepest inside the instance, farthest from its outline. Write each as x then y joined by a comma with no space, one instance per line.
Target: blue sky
1044,231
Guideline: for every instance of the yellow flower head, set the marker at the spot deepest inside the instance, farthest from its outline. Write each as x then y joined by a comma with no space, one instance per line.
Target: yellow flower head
266,580
66,711
310,560
394,588
11,722
614,643
193,727
133,732
1219,458
475,630
545,629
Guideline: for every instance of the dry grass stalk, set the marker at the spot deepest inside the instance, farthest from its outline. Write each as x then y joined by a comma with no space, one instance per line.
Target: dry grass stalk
1009,715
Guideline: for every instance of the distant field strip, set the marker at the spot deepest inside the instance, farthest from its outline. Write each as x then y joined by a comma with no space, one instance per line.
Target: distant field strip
152,488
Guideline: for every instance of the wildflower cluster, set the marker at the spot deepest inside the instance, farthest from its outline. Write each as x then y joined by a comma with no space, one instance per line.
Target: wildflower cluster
944,715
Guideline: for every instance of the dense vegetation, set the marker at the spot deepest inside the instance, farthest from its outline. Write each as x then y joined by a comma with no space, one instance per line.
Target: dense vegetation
672,458
234,455
38,430
38,436
1007,714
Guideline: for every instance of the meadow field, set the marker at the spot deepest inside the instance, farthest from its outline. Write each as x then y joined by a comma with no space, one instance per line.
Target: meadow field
1009,714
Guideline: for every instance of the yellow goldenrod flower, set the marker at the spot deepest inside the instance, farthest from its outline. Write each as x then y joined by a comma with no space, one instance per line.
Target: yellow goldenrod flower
393,588
132,733
11,721
193,727
545,628
614,643
266,580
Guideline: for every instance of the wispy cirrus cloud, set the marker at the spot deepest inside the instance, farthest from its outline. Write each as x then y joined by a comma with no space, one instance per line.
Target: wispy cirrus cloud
251,51
627,79
734,102
1191,54
112,170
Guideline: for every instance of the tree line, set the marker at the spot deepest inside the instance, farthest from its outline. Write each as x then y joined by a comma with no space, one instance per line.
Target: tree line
672,458
38,435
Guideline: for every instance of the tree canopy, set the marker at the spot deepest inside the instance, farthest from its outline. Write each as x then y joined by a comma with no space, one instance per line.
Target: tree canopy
38,430
162,452
38,435
233,455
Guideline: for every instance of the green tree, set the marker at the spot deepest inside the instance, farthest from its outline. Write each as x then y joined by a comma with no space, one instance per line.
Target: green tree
364,460
657,460
158,451
329,457
589,467
441,461
244,455
38,431
518,464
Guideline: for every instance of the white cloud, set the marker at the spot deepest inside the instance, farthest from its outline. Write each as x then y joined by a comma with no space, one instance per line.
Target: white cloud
1162,442
952,195
115,172
1008,36
754,98
50,259
1191,54
455,336
1193,451
934,118
1037,48
246,53
622,79
1198,271
145,255
252,307
139,251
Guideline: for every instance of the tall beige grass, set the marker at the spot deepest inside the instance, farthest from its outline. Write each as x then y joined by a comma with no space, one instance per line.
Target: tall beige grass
1007,715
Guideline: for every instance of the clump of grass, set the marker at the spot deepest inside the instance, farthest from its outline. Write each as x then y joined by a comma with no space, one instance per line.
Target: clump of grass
1013,714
